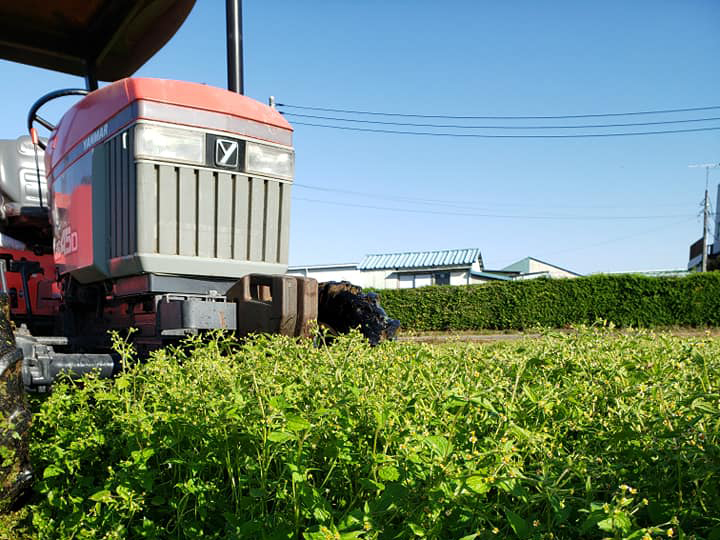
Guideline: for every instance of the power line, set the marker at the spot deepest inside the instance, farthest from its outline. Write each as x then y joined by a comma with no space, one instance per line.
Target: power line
549,117
502,216
457,203
495,136
619,239
460,126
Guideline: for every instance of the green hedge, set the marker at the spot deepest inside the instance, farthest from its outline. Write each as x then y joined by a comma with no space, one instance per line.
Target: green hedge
624,300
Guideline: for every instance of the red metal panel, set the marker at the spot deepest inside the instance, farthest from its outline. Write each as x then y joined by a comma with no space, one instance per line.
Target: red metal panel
93,111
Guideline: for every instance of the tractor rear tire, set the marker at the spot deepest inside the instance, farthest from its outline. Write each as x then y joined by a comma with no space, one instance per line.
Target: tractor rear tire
343,306
15,470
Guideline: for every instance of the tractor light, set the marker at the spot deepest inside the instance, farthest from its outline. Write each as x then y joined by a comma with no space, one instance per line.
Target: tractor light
169,144
269,160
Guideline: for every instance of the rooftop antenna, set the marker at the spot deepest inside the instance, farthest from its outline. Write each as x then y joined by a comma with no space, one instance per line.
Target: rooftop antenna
706,208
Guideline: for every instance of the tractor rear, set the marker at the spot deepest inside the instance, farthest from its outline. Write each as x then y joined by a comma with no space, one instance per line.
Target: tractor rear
153,204
166,209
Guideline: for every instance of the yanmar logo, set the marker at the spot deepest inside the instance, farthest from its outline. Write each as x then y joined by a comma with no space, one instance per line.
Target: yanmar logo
95,137
227,153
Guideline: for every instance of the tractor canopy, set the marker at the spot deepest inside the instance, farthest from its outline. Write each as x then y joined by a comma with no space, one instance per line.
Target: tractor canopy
104,39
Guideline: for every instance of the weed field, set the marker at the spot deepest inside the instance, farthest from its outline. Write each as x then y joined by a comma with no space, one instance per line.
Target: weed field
581,435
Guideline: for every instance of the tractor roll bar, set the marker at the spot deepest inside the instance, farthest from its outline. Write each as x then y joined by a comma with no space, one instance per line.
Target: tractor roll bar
233,15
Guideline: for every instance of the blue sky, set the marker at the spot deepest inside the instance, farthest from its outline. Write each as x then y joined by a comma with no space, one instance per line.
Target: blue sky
593,204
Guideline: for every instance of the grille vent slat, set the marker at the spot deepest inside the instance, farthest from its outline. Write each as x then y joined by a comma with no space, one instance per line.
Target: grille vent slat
180,210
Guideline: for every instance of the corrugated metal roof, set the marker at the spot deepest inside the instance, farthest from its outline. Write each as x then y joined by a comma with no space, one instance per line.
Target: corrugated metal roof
420,259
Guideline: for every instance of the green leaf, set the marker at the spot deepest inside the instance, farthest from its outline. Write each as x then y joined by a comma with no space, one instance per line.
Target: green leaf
388,473
52,471
477,484
416,529
616,522
322,515
280,436
278,402
295,422
439,445
371,485
518,524
351,534
103,495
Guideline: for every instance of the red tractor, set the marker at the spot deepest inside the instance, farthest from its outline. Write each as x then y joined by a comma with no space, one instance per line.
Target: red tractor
161,205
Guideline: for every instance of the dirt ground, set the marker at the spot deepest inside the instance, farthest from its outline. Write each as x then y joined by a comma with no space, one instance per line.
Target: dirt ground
496,336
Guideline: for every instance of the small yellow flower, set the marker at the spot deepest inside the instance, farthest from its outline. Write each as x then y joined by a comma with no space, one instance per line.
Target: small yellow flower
367,526
670,532
495,530
646,537
536,523
633,491
645,502
503,439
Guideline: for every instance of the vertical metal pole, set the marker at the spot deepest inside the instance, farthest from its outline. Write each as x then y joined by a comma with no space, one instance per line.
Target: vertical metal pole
91,82
233,14
706,212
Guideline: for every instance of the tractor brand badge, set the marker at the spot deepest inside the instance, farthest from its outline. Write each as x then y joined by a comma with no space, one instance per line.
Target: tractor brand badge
95,137
226,153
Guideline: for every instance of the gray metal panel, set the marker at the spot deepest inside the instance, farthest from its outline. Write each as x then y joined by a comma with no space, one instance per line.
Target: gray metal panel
146,208
256,217
132,192
125,197
224,216
165,112
113,198
206,214
240,219
187,211
272,221
284,225
167,211
18,176
161,284
121,196
195,221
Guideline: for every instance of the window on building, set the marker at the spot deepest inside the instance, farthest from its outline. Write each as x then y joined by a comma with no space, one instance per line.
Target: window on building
406,281
442,278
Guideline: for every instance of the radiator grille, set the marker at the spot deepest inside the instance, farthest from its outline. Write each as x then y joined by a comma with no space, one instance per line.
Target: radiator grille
182,210
121,196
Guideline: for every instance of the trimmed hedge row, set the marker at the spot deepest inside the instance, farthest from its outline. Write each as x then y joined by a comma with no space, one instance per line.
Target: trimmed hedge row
624,300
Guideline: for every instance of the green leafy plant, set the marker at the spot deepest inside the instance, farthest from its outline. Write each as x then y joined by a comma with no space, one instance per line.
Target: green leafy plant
589,435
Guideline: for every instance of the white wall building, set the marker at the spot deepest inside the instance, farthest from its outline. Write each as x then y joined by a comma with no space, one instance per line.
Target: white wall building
422,268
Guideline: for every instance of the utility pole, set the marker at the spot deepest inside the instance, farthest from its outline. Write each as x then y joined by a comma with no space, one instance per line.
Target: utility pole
706,210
